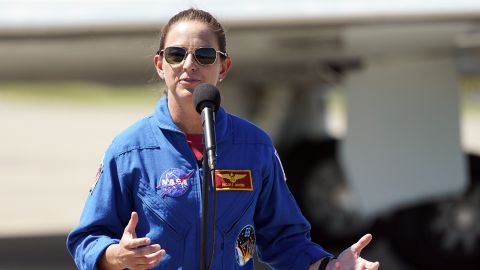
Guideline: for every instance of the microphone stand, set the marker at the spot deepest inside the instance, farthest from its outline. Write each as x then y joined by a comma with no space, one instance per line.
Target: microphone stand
203,245
209,163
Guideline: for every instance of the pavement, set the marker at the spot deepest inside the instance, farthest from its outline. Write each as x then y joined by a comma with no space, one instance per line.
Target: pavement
49,156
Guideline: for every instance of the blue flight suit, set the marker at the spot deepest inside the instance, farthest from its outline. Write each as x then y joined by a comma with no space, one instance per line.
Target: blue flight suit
150,168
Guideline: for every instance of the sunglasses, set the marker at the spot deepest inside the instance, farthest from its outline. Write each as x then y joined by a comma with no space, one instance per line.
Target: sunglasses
203,56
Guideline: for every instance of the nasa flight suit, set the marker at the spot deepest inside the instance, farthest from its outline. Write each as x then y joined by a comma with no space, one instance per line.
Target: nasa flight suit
150,168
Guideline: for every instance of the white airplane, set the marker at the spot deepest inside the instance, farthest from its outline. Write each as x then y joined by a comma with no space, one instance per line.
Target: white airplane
395,165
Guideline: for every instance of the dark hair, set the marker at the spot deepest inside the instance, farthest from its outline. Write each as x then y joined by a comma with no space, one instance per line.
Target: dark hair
199,16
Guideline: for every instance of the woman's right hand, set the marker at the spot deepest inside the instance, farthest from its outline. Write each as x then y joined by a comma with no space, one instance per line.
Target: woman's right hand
132,252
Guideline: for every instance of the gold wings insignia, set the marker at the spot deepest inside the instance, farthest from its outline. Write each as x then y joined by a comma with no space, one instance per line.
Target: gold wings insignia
232,177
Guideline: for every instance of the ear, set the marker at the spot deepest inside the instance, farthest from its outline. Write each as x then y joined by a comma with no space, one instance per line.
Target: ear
158,62
225,68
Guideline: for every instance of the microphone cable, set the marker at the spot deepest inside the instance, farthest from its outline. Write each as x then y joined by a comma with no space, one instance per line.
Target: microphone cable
214,218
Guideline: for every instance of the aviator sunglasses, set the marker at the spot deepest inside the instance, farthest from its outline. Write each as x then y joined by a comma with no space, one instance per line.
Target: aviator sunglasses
203,56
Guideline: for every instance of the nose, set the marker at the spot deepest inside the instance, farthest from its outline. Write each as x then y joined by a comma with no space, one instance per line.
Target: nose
190,63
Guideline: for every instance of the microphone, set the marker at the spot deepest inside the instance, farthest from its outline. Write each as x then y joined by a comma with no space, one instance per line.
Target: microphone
206,99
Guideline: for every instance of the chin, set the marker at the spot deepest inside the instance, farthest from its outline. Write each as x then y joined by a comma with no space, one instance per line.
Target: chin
185,91
186,94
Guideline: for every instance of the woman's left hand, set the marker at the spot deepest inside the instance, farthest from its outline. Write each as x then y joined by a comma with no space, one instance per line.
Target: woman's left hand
350,258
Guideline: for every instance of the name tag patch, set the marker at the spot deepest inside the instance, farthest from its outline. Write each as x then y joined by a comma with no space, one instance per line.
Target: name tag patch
239,180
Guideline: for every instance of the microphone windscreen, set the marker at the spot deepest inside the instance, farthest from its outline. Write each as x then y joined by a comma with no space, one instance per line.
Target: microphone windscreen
206,95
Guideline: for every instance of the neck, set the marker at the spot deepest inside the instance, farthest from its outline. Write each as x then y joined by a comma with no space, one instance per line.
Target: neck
185,117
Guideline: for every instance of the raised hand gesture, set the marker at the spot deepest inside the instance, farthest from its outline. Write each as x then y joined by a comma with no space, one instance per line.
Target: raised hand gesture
350,258
132,252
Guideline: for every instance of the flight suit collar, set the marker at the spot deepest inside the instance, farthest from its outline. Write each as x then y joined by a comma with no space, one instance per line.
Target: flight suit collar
164,119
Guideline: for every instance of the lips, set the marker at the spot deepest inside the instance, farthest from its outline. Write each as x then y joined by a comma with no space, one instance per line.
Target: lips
189,83
189,80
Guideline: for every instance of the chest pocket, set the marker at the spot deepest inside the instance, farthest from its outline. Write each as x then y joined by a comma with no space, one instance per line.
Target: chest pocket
169,210
233,206
166,225
235,210
236,191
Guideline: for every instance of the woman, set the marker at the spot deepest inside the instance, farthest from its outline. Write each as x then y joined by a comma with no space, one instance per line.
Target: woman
144,211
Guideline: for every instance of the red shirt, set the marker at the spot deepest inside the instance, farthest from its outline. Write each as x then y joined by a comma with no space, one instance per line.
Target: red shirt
196,144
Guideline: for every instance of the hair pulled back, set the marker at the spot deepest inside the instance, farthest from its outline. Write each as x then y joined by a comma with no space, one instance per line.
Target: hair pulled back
197,15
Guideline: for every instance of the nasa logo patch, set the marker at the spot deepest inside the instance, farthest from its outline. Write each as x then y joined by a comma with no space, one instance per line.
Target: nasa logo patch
174,182
245,245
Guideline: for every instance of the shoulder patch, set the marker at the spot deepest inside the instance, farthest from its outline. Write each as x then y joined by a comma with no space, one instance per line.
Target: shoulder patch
97,175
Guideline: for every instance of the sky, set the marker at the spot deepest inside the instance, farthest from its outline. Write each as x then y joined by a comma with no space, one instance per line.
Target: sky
21,13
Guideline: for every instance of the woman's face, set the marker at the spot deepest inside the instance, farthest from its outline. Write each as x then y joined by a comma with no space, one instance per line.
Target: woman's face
182,78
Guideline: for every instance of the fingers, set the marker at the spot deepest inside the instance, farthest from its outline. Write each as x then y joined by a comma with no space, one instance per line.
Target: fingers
147,250
150,260
136,242
156,256
361,244
143,258
373,265
137,253
129,239
132,224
